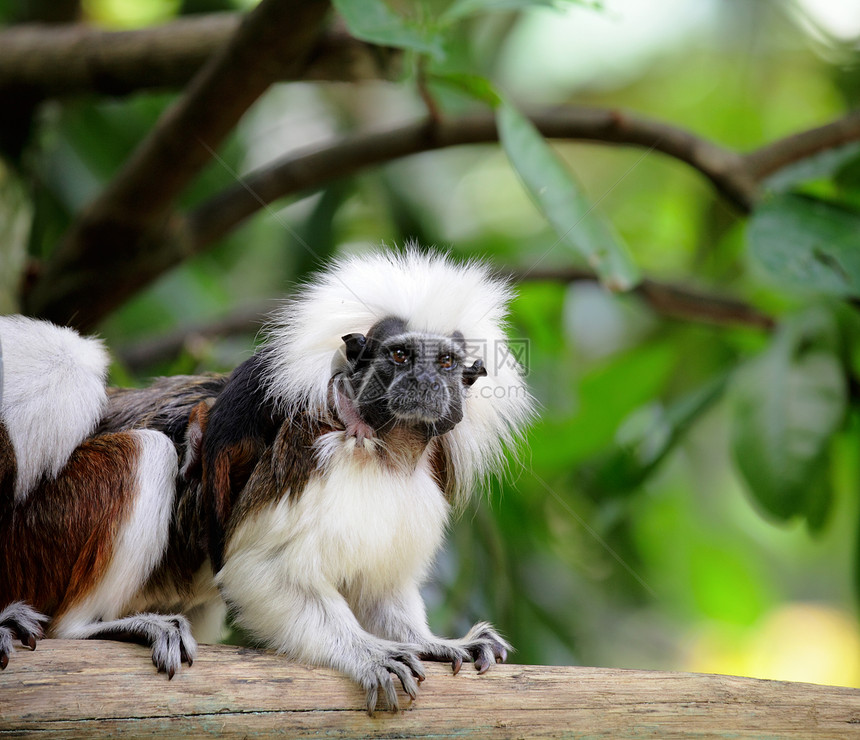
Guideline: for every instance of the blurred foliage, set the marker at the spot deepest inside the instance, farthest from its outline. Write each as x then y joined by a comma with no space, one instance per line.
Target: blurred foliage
689,498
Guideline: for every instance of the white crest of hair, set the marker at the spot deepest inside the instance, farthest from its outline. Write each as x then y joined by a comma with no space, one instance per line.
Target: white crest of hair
433,294
53,394
141,542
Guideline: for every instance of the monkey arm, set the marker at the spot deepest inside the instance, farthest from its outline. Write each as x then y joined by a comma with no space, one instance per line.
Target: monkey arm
312,623
402,617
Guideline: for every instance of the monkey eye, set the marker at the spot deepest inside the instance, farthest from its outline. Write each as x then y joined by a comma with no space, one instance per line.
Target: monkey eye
399,356
447,361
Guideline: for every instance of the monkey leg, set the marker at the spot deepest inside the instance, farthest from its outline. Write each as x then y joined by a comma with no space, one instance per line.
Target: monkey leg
122,549
169,636
402,617
19,622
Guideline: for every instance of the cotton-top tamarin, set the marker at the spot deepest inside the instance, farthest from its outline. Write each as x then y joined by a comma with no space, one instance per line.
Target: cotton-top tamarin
307,492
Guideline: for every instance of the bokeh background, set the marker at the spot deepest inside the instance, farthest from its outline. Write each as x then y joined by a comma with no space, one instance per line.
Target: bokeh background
624,535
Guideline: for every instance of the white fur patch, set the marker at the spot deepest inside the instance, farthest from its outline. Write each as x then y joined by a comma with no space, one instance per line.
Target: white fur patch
357,528
432,294
141,541
52,396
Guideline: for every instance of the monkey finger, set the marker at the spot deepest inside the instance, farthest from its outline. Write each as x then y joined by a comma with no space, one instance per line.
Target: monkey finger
484,659
5,647
24,623
390,692
184,657
457,664
406,679
414,665
371,698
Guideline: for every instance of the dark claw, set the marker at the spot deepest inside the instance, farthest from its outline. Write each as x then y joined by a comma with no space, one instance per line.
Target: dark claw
30,642
4,661
171,672
457,664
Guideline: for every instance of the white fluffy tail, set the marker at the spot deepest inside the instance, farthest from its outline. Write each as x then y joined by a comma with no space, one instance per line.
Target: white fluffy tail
53,394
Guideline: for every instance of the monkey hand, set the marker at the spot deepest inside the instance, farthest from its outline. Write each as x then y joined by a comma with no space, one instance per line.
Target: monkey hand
375,675
19,622
173,645
169,636
481,645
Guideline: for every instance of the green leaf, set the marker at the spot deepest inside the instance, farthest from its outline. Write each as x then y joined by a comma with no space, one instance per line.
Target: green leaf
808,244
475,86
465,8
558,196
789,403
375,21
648,435
819,500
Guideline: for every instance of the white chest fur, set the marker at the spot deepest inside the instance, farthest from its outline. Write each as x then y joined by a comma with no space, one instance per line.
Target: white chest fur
357,524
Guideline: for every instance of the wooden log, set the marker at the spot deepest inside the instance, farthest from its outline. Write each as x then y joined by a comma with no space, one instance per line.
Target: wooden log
71,689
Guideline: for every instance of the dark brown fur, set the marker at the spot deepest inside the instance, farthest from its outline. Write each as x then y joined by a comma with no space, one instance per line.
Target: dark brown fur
165,405
177,406
8,471
57,542
285,466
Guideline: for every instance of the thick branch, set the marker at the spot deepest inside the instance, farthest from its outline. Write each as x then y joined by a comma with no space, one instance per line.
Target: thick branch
81,689
310,169
733,175
768,159
47,61
117,236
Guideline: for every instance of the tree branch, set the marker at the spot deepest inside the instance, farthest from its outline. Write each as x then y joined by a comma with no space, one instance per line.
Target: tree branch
143,354
75,689
309,169
47,61
673,301
768,159
735,176
128,235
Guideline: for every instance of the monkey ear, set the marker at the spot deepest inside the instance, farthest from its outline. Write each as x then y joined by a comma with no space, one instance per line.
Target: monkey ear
471,374
355,346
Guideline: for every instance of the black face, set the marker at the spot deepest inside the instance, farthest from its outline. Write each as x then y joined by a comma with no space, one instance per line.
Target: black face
397,376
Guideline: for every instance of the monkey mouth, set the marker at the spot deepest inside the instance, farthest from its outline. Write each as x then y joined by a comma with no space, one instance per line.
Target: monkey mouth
430,403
